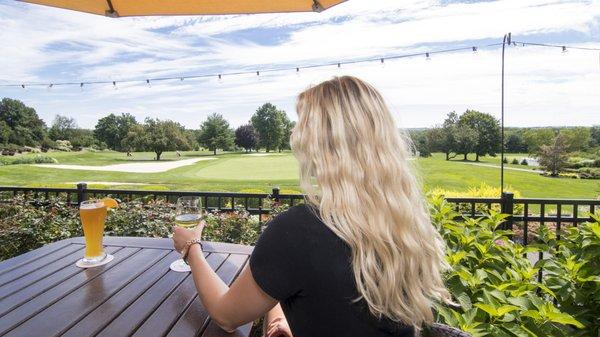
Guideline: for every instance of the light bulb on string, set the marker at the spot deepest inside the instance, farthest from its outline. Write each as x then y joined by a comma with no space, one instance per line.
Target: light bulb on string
474,49
115,85
220,79
297,71
427,58
382,62
81,86
49,88
24,87
258,75
149,84
564,49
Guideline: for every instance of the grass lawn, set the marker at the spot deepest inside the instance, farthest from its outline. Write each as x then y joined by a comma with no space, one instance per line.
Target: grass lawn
251,173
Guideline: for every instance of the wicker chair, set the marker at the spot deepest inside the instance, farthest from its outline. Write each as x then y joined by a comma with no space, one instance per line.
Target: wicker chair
441,330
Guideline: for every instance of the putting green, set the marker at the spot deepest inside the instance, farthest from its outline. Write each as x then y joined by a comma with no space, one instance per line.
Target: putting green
249,167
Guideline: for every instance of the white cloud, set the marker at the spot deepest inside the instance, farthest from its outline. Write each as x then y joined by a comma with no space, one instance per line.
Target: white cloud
543,85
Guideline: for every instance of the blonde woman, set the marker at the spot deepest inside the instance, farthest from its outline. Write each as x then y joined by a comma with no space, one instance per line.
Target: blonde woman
361,258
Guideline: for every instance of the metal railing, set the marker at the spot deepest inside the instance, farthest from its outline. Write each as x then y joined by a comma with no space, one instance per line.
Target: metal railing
524,214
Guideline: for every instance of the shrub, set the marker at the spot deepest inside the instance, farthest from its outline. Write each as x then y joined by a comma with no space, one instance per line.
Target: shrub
63,145
515,161
524,162
482,191
25,226
494,284
37,159
505,160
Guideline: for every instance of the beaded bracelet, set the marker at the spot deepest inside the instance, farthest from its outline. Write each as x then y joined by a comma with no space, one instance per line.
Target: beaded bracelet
186,249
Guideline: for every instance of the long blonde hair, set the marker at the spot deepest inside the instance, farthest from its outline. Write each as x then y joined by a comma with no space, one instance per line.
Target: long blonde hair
355,170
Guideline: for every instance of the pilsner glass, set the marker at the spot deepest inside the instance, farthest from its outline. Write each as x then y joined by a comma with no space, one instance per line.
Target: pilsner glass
188,214
93,217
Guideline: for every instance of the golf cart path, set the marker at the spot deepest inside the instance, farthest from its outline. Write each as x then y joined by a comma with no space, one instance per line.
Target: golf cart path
139,167
498,166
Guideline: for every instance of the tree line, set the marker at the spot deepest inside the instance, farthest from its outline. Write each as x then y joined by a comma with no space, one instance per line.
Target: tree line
470,133
478,133
20,126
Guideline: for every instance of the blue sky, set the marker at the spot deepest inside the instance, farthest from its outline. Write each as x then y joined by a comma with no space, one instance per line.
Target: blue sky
544,86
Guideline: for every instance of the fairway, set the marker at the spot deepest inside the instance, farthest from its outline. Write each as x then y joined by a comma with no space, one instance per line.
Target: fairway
261,172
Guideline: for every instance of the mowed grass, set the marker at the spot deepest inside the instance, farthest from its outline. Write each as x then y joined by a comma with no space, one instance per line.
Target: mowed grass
252,173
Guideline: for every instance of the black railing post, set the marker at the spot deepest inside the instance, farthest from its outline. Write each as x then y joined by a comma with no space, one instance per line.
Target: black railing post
81,193
507,207
275,194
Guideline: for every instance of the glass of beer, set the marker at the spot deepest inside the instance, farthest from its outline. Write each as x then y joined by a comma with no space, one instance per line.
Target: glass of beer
93,216
188,214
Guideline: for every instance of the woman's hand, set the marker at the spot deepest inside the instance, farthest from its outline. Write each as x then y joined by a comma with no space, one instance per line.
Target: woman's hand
279,327
182,235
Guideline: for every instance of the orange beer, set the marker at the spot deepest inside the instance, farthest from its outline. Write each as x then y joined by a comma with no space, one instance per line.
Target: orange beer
93,217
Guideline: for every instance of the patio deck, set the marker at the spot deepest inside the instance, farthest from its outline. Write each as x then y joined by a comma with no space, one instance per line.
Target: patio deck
43,293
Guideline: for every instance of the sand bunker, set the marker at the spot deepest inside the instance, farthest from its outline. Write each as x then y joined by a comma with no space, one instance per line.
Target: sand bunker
139,167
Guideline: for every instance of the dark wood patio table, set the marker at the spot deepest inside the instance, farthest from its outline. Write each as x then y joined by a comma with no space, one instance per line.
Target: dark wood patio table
43,293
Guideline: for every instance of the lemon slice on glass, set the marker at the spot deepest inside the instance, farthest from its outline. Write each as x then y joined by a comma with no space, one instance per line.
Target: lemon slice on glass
110,203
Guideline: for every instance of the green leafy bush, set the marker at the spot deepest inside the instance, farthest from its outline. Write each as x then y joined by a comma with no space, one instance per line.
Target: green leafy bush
515,161
495,285
24,226
37,159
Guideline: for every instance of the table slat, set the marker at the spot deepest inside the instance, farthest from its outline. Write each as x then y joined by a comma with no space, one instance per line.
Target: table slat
39,287
161,320
36,263
67,311
119,302
43,293
16,261
38,274
38,303
195,318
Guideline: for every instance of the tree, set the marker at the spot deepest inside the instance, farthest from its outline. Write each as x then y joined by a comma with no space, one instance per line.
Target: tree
157,136
25,125
63,128
553,158
443,138
535,138
515,143
267,121
577,139
4,132
466,141
112,129
487,129
421,142
82,138
287,126
246,137
595,135
215,133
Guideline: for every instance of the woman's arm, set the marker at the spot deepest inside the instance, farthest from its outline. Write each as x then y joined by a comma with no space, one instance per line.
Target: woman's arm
229,307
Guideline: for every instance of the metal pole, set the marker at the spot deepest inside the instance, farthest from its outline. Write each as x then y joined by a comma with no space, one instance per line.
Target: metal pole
504,42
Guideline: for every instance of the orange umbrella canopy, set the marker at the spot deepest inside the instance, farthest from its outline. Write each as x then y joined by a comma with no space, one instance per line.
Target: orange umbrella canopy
117,8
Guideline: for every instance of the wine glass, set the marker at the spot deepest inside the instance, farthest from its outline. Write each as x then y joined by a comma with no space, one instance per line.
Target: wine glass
188,214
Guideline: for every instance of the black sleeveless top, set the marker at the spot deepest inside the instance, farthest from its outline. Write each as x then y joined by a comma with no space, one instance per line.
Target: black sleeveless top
301,263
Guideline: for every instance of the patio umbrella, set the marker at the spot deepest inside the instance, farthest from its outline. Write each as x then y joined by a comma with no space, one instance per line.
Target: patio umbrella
117,8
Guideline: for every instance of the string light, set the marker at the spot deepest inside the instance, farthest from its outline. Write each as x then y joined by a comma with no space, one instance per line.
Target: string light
50,86
380,59
81,86
148,82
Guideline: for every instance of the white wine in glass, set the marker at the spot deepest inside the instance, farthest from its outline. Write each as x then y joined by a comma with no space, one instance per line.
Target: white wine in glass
188,214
